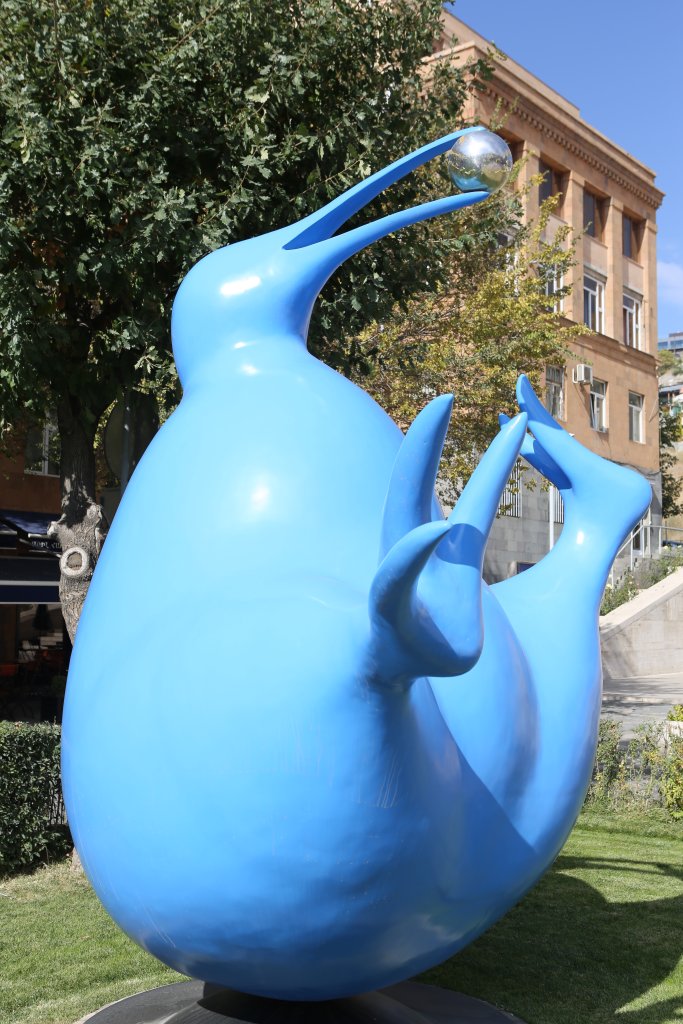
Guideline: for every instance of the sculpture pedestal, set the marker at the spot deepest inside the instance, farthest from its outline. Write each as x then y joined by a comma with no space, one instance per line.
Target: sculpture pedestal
193,1002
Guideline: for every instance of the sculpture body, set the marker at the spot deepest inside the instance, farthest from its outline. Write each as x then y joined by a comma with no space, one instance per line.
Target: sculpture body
307,752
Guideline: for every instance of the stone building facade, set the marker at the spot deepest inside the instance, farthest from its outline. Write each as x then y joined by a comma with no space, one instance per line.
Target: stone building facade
608,395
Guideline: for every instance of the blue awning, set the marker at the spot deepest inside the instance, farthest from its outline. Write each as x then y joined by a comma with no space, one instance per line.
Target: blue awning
31,527
29,580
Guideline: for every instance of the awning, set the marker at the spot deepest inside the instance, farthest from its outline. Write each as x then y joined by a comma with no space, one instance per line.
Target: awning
29,580
31,528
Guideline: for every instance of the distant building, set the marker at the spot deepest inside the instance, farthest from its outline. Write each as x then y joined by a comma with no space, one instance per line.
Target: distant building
671,399
674,343
608,396
671,391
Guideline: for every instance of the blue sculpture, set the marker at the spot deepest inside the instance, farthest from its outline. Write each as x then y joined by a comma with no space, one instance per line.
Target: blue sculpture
307,751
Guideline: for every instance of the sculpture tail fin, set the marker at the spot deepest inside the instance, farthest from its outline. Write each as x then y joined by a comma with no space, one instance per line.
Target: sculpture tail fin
425,600
603,500
553,610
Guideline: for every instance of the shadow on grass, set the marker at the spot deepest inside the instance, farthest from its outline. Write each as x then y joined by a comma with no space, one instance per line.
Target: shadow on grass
568,955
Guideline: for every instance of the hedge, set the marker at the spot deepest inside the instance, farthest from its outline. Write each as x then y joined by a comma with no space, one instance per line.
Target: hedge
31,815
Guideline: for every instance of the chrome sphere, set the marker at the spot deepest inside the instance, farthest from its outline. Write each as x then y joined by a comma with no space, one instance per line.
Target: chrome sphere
479,161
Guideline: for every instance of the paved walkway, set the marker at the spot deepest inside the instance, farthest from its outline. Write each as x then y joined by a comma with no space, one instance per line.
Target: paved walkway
644,699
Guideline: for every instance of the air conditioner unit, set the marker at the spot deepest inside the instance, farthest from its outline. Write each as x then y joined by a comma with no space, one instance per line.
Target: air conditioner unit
582,374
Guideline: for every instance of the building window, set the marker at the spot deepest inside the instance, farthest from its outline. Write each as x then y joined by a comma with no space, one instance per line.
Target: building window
554,285
635,417
511,499
556,504
631,237
594,304
516,147
554,391
504,240
598,400
633,333
552,184
42,449
593,215
641,533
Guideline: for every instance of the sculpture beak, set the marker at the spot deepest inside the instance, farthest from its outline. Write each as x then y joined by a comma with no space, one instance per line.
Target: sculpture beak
318,229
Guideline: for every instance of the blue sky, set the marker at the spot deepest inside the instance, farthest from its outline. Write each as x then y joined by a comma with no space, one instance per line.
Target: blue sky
621,63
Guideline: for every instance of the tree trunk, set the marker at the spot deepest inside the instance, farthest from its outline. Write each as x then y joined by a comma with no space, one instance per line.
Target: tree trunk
78,528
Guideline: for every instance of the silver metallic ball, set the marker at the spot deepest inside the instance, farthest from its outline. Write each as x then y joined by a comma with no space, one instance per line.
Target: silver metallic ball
479,161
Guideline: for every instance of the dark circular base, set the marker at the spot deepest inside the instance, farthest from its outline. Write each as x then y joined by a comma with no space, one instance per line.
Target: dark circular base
193,1002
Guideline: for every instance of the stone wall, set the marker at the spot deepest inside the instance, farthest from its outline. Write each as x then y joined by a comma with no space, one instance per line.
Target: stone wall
645,636
520,541
517,541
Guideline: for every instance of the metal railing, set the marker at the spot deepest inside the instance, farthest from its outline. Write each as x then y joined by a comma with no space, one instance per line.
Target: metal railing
644,541
666,535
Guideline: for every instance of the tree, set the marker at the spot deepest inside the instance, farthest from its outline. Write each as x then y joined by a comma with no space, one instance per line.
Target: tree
138,135
670,432
668,362
491,321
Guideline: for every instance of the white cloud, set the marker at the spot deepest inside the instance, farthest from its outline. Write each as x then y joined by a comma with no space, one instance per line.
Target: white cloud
670,281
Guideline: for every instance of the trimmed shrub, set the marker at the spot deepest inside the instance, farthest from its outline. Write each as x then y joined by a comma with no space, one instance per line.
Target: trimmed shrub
31,826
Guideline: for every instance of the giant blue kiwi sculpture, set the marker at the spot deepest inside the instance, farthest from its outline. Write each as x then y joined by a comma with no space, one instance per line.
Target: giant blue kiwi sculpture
307,751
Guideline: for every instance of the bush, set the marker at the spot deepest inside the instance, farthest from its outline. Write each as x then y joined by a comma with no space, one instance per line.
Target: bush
672,782
644,773
672,779
31,828
609,760
676,713
632,582
624,591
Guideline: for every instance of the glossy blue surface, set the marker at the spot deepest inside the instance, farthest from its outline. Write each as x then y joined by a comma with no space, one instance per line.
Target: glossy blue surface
316,754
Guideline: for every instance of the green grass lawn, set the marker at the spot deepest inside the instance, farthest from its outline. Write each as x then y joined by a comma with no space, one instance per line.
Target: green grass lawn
598,940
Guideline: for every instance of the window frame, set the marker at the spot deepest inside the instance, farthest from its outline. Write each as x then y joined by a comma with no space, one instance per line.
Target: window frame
49,466
632,320
640,420
598,406
555,505
552,184
631,228
641,533
598,294
593,226
556,389
554,283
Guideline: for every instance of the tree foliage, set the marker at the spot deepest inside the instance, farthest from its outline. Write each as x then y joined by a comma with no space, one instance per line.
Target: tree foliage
670,432
139,135
491,321
669,362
